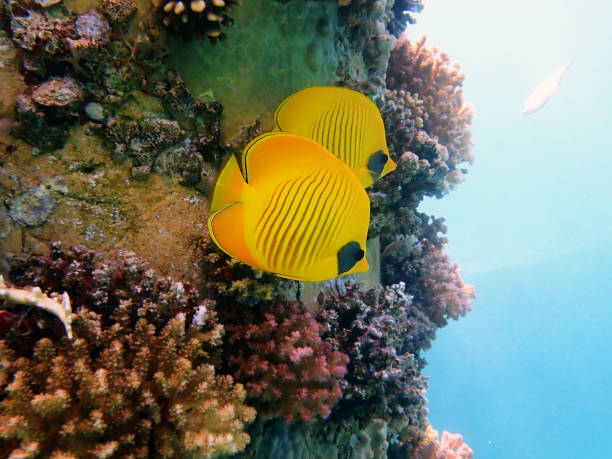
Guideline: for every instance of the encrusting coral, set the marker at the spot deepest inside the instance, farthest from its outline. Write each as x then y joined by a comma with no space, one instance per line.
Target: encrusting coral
136,381
287,369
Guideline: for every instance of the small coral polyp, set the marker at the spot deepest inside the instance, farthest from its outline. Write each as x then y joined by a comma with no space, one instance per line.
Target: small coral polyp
204,17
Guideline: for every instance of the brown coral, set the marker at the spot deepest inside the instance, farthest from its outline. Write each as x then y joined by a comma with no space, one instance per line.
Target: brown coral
136,381
432,88
58,92
118,11
197,16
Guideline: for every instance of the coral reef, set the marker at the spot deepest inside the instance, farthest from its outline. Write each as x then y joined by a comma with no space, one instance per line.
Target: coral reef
230,281
372,27
196,17
137,380
428,84
382,332
184,145
70,59
432,279
118,11
278,354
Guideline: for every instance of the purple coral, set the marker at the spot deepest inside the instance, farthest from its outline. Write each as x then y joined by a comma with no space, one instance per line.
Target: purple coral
382,331
443,288
287,370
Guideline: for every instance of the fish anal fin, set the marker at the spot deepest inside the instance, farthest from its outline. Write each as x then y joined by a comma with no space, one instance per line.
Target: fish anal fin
226,228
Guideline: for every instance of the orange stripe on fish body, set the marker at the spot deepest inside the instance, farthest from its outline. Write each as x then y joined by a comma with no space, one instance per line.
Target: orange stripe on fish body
345,122
296,210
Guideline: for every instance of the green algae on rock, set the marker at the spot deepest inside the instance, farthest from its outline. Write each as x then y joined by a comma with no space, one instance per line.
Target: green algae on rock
274,49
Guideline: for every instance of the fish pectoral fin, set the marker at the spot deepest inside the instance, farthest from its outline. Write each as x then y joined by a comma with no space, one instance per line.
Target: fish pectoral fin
226,229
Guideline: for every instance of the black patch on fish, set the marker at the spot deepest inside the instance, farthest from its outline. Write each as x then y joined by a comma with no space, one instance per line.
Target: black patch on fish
376,163
348,256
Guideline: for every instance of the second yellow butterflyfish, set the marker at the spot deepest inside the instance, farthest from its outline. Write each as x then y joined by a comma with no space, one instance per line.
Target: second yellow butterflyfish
295,210
344,121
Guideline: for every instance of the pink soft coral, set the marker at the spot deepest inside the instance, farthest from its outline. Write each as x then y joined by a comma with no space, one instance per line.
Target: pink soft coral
278,354
444,290
451,446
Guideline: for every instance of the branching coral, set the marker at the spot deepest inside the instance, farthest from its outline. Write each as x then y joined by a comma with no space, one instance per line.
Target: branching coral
196,16
382,332
138,379
278,354
443,289
433,280
429,77
427,125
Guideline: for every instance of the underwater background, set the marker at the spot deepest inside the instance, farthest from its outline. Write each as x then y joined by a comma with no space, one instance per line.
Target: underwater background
528,374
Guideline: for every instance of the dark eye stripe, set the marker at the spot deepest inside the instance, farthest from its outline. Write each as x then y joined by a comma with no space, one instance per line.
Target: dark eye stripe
287,222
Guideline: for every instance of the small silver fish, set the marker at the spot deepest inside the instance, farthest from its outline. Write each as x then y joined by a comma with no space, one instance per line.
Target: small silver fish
544,91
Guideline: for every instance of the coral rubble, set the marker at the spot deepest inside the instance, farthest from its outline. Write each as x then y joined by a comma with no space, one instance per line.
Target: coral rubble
138,380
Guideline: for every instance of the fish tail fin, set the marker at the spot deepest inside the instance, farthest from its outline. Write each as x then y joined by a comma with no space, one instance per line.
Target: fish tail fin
230,186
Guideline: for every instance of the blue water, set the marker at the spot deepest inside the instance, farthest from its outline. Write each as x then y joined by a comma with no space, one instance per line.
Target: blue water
527,374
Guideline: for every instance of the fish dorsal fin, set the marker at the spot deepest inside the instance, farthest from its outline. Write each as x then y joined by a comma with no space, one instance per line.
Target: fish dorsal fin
226,228
278,153
230,186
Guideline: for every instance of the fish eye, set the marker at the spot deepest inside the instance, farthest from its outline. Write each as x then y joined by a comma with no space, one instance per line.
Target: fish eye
348,256
377,162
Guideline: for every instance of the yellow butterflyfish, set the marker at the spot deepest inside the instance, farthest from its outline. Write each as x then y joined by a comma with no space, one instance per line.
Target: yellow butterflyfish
344,121
295,210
